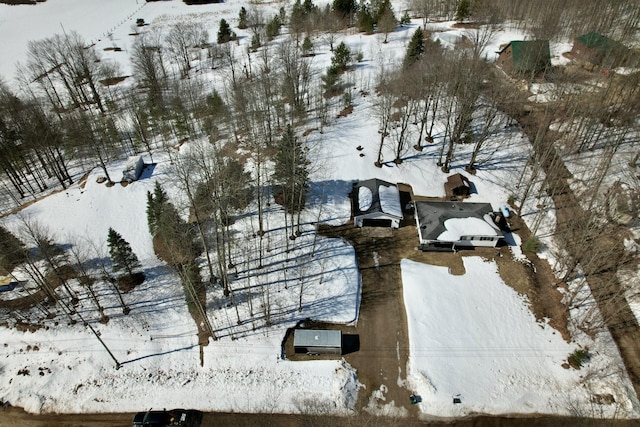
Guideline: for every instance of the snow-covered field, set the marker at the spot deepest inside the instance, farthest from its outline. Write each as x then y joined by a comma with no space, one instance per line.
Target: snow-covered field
474,338
469,335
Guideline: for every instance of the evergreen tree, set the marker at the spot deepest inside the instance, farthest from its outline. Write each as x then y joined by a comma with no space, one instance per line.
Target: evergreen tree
12,251
255,42
273,28
331,80
344,8
415,48
307,47
224,32
242,18
383,8
309,7
464,10
173,238
291,173
155,202
341,57
366,21
406,19
121,254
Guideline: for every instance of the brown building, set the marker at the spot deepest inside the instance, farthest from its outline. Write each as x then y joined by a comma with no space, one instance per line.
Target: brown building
520,57
602,51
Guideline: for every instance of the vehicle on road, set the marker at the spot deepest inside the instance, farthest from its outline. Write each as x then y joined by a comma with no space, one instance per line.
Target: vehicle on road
164,418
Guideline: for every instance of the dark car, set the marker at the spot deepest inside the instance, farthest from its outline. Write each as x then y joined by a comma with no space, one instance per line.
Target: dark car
164,418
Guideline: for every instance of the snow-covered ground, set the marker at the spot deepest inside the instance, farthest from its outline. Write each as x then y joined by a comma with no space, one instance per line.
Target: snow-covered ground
474,338
492,353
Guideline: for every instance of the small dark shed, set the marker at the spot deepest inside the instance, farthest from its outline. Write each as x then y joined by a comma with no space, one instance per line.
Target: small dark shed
601,50
457,187
319,341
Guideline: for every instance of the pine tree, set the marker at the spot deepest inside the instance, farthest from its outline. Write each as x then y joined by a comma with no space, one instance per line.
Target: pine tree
155,203
12,251
331,81
242,18
273,28
415,48
406,19
341,57
121,254
224,32
307,47
366,21
344,8
464,10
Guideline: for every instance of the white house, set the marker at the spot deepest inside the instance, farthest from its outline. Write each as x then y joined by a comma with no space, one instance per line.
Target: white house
376,202
445,226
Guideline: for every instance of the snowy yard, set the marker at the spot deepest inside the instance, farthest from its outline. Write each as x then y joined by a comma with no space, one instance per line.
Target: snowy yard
474,338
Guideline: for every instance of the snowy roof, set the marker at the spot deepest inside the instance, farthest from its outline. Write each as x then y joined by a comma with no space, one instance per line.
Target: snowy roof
317,338
469,226
448,221
376,195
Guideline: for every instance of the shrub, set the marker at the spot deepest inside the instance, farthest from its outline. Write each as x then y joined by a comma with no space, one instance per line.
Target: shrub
578,357
531,245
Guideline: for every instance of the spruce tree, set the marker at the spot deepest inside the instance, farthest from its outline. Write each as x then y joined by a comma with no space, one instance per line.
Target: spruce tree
121,254
12,251
341,57
344,8
224,32
307,47
415,48
242,18
464,10
155,203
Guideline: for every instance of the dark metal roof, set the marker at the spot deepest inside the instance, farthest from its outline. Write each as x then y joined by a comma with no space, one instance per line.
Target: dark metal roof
530,55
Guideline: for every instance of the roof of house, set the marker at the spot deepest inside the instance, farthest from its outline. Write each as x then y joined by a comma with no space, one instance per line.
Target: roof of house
457,181
448,221
317,338
376,195
602,44
529,55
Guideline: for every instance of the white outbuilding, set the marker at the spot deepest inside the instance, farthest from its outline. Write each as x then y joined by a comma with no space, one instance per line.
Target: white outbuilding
317,341
133,169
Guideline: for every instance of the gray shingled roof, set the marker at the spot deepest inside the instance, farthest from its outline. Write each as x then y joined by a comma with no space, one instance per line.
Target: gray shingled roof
431,215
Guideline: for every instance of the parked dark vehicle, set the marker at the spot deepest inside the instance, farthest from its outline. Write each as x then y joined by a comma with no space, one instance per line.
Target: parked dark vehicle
164,418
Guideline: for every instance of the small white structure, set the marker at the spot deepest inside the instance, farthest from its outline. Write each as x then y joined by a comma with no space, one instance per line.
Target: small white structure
444,226
320,341
376,202
133,169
